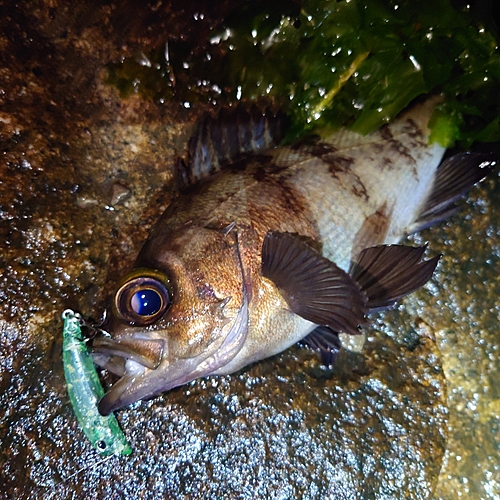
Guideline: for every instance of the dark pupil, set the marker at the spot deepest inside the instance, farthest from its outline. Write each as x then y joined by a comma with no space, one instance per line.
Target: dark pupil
146,302
101,445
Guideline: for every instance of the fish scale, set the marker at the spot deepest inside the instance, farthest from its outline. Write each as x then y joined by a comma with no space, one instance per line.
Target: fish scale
263,248
396,191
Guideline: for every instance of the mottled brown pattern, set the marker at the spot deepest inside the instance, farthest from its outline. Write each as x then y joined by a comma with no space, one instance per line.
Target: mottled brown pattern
414,131
373,231
359,189
396,147
315,192
279,207
255,197
386,133
267,169
401,149
338,165
387,163
320,149
410,129
241,163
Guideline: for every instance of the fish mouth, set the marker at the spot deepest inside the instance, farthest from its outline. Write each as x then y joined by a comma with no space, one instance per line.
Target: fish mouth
141,349
146,370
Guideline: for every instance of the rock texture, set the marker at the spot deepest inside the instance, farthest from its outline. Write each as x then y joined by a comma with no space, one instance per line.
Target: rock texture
84,173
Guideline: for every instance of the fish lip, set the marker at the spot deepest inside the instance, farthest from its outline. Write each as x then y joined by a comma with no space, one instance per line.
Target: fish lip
142,348
141,382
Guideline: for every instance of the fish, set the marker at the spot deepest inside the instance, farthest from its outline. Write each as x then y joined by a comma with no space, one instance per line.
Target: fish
268,245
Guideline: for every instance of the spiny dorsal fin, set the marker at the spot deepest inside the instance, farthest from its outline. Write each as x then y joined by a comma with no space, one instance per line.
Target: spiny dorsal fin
455,176
235,131
313,287
389,272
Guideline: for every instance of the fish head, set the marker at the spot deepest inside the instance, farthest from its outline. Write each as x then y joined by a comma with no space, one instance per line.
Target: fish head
180,314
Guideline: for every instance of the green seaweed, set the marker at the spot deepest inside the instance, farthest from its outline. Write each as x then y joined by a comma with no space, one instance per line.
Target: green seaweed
331,63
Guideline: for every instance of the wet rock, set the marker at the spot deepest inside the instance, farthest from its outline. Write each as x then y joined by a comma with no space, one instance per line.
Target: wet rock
119,193
465,312
373,427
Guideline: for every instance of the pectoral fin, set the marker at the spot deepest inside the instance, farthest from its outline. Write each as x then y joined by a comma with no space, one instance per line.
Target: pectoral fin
313,287
389,272
384,273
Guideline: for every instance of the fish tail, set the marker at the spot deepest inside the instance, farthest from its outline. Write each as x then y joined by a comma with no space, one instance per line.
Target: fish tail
454,177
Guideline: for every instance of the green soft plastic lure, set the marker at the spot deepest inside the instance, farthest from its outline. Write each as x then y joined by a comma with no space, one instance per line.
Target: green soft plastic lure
85,390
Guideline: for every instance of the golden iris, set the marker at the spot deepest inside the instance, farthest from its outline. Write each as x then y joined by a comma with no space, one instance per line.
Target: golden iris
143,297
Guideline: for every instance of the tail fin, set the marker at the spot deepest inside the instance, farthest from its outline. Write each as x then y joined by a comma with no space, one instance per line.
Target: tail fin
455,176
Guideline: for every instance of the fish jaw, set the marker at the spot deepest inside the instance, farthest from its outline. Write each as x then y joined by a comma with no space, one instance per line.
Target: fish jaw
140,382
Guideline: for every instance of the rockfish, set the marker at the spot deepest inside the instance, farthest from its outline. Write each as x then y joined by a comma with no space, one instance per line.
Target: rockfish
284,244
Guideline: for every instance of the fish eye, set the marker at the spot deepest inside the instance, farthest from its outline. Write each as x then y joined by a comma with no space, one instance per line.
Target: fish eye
146,302
143,297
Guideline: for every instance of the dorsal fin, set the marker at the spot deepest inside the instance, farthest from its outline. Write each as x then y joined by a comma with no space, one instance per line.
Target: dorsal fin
455,176
235,131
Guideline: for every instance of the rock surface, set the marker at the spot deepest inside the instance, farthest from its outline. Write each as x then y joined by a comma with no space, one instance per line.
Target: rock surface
84,174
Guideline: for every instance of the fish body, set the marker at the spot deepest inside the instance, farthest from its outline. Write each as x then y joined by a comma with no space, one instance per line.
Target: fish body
254,259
